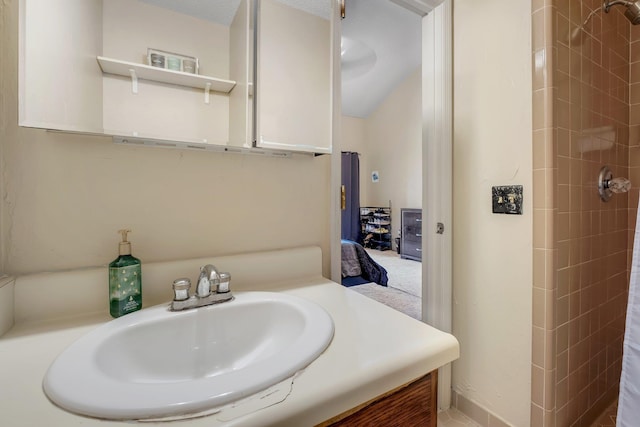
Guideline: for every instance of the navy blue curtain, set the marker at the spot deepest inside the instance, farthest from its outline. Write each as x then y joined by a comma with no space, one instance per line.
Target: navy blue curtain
351,183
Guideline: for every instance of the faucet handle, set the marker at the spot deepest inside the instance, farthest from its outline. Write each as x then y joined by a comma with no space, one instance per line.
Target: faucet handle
181,289
223,286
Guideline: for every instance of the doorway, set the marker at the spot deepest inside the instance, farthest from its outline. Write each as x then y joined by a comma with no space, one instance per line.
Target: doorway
437,124
382,129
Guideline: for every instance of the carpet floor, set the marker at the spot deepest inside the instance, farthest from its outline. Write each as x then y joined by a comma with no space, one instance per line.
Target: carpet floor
404,289
404,274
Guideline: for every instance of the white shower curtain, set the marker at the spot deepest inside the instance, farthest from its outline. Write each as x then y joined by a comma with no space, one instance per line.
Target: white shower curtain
629,399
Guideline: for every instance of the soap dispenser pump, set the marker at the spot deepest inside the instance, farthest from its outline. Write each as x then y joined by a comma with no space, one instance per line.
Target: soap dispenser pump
125,280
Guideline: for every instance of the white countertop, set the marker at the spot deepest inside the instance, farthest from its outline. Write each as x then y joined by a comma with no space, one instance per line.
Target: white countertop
375,349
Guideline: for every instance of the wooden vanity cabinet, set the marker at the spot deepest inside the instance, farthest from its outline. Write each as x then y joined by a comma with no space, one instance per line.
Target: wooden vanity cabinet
413,404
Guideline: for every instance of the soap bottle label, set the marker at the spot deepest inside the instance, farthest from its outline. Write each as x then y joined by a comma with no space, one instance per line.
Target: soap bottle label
125,293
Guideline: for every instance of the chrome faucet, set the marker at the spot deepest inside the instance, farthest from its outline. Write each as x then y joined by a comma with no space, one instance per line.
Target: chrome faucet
209,278
212,288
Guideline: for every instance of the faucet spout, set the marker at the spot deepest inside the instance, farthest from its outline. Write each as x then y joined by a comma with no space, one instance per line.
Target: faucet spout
209,279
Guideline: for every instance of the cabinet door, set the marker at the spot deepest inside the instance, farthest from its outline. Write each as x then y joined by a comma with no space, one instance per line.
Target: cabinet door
411,237
85,66
294,75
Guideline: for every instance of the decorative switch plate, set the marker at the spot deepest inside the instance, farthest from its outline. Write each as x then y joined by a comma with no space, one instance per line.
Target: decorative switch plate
507,199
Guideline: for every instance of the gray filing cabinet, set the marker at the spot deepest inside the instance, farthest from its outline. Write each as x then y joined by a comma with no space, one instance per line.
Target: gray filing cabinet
411,234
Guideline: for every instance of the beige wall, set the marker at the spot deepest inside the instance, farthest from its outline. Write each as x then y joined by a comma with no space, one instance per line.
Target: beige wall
394,148
389,141
65,196
352,136
492,274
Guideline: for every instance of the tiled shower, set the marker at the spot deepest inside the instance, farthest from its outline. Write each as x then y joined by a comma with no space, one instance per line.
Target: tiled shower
586,114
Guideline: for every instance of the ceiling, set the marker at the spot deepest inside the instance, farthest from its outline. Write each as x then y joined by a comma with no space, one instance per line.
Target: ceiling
381,42
382,45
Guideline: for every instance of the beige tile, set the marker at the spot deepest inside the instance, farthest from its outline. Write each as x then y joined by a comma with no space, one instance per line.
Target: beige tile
635,68
634,136
563,282
539,33
634,112
538,312
539,227
563,198
549,418
575,15
537,415
562,365
542,109
634,52
634,93
562,416
564,170
537,4
563,87
538,267
539,149
538,347
563,254
549,348
562,143
562,114
563,8
562,338
562,59
562,310
550,389
576,172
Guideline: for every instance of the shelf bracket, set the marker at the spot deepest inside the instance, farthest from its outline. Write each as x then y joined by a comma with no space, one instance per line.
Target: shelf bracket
134,81
207,88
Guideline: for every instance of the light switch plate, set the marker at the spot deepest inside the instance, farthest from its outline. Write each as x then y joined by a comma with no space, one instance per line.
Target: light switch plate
507,199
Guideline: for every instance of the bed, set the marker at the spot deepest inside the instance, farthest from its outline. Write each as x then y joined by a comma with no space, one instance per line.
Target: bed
358,267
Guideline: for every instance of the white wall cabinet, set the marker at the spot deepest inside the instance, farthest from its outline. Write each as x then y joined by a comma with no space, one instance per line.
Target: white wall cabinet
294,75
84,68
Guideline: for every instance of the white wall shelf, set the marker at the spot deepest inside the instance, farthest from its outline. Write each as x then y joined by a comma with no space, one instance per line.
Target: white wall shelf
147,72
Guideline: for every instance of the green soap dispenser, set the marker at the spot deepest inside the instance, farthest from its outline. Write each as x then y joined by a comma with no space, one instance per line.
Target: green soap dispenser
125,281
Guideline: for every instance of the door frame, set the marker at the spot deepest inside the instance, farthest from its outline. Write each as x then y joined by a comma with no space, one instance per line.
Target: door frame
437,176
437,188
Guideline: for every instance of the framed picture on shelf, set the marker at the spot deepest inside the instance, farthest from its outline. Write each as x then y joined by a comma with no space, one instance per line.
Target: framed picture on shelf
173,61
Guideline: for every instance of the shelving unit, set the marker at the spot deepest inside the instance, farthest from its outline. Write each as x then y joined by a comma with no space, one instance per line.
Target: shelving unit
375,223
162,75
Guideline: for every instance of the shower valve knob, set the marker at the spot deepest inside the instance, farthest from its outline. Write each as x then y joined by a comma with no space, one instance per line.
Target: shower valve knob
608,185
619,185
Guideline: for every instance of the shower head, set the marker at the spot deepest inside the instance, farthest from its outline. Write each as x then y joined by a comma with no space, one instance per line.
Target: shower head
633,9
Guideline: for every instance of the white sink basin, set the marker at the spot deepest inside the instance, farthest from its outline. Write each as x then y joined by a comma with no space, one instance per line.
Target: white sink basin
156,363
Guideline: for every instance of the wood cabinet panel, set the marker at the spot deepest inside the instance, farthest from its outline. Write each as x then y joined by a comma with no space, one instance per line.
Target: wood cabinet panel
414,404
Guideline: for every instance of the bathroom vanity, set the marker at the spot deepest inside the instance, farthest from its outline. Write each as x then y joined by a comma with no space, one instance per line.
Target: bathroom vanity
381,364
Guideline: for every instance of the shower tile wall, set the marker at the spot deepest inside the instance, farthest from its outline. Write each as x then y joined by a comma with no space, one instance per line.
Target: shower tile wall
634,134
581,95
